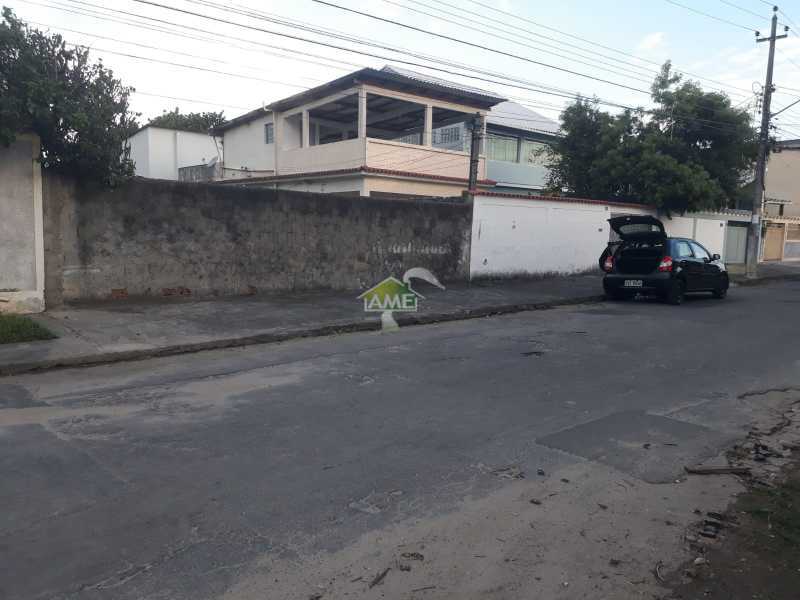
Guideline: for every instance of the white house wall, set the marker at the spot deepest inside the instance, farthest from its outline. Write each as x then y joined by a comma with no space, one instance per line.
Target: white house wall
245,147
520,236
140,152
528,236
194,149
162,156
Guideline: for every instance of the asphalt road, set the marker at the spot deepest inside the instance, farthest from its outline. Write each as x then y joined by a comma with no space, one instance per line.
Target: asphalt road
171,478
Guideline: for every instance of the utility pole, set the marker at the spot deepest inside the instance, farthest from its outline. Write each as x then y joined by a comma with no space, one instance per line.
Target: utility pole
474,154
754,232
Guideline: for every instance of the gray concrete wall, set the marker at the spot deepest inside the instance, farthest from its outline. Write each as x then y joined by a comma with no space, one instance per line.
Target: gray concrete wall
17,256
20,226
157,238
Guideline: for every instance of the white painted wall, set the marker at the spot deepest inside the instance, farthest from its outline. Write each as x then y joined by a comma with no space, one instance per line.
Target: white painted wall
162,163
245,146
139,144
711,234
514,235
159,153
679,226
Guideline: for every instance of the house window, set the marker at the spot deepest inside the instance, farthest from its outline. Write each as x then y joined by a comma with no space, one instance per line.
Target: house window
501,148
410,138
532,153
447,135
269,133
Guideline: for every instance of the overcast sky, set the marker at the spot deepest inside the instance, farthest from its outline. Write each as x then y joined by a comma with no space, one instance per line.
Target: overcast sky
237,69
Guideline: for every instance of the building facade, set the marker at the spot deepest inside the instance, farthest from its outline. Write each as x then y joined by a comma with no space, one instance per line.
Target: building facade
160,153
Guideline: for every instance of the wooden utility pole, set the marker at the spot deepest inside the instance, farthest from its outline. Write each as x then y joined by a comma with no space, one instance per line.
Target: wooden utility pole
754,232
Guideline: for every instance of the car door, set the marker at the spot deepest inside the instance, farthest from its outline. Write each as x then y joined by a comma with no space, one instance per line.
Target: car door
710,269
687,264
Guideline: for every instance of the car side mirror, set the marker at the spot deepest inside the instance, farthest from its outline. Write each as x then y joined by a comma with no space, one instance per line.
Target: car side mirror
715,257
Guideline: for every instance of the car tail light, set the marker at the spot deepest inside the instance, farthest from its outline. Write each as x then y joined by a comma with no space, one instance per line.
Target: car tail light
608,265
665,264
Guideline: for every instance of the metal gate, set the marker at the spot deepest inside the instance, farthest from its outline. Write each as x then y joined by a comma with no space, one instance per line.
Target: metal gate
735,242
773,241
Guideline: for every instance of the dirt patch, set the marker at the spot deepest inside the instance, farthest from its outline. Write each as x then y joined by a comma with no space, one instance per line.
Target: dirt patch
760,557
752,550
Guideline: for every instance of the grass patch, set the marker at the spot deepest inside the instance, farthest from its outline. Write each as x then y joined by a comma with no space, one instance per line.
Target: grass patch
15,329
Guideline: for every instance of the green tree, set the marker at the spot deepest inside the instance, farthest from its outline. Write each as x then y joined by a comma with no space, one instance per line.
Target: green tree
76,107
199,122
692,151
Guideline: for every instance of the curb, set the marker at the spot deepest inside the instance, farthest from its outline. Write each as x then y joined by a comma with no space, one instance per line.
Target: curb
764,280
91,360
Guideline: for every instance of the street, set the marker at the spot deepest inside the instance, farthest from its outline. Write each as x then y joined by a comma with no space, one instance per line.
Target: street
535,455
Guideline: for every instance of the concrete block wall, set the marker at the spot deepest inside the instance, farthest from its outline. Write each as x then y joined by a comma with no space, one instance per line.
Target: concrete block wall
158,238
21,227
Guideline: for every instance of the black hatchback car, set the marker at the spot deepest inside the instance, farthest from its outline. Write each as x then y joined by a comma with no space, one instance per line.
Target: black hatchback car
646,261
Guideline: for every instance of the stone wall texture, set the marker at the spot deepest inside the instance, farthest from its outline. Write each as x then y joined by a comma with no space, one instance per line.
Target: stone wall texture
159,238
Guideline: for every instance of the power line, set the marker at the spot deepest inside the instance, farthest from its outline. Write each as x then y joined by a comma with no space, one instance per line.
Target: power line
521,43
184,66
191,100
106,17
474,45
710,16
564,95
149,47
745,10
370,54
333,33
591,42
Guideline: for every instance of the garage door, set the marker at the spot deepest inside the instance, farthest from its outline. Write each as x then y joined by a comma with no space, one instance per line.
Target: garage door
735,243
773,242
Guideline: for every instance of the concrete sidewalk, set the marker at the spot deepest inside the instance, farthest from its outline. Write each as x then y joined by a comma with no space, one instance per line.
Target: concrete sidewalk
131,330
122,330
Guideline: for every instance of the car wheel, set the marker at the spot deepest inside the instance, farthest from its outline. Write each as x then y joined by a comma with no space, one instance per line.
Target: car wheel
676,292
722,291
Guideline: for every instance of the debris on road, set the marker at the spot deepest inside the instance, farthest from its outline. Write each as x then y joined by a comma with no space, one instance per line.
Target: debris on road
379,577
412,556
540,472
509,472
657,571
603,506
422,589
535,501
404,566
718,470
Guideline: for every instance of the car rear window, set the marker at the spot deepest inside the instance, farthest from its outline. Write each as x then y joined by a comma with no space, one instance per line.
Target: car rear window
634,228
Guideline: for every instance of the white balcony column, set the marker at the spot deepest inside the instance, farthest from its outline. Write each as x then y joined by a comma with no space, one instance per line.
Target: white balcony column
305,130
427,131
362,113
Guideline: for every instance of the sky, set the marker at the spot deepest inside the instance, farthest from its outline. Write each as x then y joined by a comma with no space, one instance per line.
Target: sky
236,57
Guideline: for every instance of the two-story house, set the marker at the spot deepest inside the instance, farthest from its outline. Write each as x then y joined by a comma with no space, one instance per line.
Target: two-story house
379,133
383,133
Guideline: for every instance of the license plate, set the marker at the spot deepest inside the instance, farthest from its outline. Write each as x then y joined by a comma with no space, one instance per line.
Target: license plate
634,283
